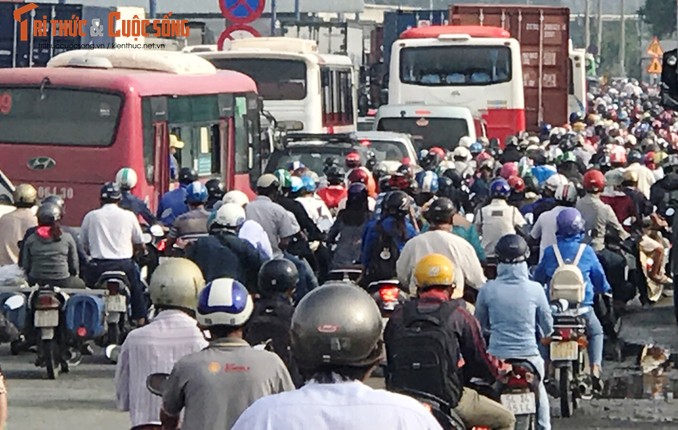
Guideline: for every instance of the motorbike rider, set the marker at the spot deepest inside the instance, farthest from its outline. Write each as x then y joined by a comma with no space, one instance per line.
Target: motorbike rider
511,152
195,220
570,234
346,233
645,176
427,187
214,386
13,225
111,236
545,228
154,348
50,255
462,161
622,205
511,308
223,254
336,189
664,193
215,193
316,209
597,215
126,178
440,240
335,395
480,189
643,206
173,203
250,230
435,279
546,202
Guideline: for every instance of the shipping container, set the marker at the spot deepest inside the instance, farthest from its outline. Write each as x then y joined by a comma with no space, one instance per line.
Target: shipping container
543,33
395,22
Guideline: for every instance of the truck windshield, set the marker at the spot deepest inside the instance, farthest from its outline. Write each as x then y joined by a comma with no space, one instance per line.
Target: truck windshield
455,65
276,79
58,116
428,132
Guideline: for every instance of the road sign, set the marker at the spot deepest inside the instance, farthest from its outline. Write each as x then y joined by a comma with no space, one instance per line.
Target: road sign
242,11
655,49
655,67
235,32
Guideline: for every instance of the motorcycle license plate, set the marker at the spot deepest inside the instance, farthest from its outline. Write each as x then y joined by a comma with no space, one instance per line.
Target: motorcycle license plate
564,350
116,303
48,318
520,404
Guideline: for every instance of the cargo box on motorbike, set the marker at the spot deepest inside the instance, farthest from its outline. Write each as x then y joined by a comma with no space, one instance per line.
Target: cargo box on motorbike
85,311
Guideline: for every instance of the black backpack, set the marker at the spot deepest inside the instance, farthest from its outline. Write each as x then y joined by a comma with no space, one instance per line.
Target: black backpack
423,353
384,255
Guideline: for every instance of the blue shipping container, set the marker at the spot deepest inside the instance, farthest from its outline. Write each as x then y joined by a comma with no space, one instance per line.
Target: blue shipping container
398,21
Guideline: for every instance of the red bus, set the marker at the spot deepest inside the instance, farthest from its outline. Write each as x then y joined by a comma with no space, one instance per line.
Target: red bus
68,128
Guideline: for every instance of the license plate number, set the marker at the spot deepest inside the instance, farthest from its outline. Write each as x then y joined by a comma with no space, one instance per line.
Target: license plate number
48,318
116,303
564,350
520,404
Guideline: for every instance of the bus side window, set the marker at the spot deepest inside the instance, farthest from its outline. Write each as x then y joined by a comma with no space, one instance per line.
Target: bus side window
242,137
149,141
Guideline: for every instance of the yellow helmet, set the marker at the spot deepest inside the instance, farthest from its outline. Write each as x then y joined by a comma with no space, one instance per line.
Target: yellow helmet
176,282
434,270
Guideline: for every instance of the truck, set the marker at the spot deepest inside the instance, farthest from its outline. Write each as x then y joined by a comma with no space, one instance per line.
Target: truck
543,34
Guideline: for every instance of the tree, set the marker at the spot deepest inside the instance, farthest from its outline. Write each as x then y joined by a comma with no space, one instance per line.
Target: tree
660,15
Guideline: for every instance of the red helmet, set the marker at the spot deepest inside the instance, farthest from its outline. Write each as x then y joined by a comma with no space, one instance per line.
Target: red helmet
483,156
352,160
594,181
508,170
358,175
517,184
648,160
618,156
438,152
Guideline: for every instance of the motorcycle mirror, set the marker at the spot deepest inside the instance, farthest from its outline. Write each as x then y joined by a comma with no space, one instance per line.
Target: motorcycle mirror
112,352
670,212
529,218
15,302
147,238
155,383
628,221
469,218
157,230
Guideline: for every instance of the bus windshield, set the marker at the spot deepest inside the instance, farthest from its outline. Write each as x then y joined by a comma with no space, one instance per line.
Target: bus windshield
276,79
428,132
58,116
455,65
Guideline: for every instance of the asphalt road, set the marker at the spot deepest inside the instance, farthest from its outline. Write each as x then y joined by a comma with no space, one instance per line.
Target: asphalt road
84,398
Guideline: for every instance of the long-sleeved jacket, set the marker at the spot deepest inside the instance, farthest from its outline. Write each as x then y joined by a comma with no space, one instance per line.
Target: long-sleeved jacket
370,236
598,217
135,204
512,309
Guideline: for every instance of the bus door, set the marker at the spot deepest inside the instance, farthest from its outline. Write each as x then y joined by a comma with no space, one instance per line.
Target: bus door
160,173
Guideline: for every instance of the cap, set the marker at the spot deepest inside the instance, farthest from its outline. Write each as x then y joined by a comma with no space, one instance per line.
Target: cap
265,181
175,142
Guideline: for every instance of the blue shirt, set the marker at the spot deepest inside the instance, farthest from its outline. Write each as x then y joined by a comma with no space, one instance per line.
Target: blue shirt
174,166
135,204
370,236
172,204
513,310
591,269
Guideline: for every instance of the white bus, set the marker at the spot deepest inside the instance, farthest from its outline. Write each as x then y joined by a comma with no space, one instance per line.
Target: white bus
304,90
576,99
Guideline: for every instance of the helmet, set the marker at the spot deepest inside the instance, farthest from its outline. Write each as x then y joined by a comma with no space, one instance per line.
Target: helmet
187,175
516,183
630,176
126,178
461,153
196,193
512,249
356,191
465,141
230,216
224,301
176,282
296,165
352,160
406,170
110,191
476,148
499,188
284,178
329,162
568,142
336,175
454,176
566,157
509,169
278,276
569,222
427,181
434,270
309,183
237,197
215,188
555,181
439,152
48,214
594,181
577,117
296,184
440,210
618,155
57,200
267,181
336,325
566,193
25,194
358,175
397,203
635,157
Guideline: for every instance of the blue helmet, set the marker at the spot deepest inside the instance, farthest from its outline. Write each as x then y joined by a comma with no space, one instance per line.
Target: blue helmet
569,222
297,184
224,301
476,148
196,193
499,188
427,181
309,183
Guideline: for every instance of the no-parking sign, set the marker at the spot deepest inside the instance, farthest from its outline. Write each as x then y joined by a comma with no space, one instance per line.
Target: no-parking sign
242,11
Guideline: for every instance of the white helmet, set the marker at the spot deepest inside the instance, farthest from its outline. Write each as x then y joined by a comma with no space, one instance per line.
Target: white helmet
176,282
466,142
230,216
224,301
566,193
126,178
461,152
237,197
555,181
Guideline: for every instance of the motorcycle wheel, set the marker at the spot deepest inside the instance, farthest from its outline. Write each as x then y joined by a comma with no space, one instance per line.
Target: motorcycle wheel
525,422
51,358
566,396
113,334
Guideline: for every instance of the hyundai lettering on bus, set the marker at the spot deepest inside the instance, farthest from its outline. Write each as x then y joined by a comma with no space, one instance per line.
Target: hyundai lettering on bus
69,127
304,90
467,66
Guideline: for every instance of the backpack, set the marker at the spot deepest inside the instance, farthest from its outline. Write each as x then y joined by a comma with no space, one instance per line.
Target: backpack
269,325
384,255
422,353
567,281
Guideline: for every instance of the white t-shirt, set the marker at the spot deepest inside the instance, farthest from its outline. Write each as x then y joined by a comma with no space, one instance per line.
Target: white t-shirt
109,232
255,234
545,229
318,212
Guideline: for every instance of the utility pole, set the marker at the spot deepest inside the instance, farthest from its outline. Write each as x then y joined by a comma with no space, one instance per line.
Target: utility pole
599,36
622,41
587,24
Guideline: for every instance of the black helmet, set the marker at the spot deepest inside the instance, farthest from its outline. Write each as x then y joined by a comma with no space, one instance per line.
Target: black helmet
445,187
454,176
337,324
110,192
187,175
512,249
215,188
441,210
48,214
54,199
336,175
397,203
635,157
278,276
356,192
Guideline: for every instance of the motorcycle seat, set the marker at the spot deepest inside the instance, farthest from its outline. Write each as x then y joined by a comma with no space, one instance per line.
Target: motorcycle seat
113,275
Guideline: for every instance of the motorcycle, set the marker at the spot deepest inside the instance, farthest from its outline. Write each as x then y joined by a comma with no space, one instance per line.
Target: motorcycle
346,274
155,383
179,247
387,294
47,306
153,238
439,408
116,298
85,316
519,393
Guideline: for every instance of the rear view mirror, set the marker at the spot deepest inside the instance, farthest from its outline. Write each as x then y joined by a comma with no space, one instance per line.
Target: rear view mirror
15,302
147,238
157,230
155,383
